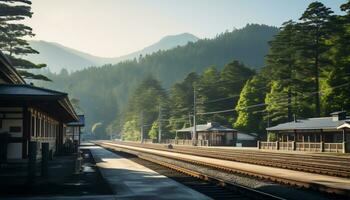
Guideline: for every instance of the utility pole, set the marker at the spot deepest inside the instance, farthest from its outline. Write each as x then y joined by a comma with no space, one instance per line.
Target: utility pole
160,125
141,126
189,119
194,137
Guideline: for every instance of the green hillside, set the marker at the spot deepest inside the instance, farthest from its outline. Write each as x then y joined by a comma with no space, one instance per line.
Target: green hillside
103,91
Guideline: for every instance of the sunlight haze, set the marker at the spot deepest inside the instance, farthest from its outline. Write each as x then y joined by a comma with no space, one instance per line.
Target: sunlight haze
112,28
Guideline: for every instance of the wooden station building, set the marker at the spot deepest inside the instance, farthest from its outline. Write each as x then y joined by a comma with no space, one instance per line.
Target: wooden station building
210,134
323,134
30,114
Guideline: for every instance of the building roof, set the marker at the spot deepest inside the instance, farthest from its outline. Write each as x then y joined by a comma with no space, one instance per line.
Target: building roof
8,73
345,125
28,90
53,102
246,136
324,123
208,128
81,121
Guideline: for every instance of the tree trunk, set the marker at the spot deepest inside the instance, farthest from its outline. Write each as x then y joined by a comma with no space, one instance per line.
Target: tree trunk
317,84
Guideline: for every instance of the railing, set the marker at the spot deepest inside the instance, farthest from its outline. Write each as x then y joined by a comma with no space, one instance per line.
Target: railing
333,147
185,142
309,146
306,146
288,146
268,145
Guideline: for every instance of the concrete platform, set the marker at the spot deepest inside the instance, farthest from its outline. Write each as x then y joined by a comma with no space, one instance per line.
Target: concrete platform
130,180
321,181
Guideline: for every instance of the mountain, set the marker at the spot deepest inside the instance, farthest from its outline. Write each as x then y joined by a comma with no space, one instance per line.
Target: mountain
57,56
168,42
104,91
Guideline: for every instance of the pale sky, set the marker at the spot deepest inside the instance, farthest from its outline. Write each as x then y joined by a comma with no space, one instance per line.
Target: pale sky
112,28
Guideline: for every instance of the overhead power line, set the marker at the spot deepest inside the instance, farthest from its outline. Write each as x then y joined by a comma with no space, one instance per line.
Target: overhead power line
264,104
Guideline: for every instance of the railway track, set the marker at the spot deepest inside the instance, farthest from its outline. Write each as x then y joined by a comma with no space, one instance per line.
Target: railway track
214,165
211,187
326,165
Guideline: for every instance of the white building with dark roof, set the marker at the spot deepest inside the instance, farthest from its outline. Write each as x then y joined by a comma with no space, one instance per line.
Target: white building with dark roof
330,134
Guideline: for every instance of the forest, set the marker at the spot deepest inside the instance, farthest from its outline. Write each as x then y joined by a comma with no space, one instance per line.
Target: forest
306,74
104,92
249,79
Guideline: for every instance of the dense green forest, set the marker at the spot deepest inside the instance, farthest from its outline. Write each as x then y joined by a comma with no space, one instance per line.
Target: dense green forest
239,79
104,91
307,74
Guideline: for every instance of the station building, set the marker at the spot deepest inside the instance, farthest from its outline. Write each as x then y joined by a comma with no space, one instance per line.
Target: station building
210,134
29,113
323,134
74,129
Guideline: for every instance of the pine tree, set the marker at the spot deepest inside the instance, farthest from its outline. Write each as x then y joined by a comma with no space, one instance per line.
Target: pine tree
336,94
209,87
315,27
250,118
281,63
181,98
146,99
12,34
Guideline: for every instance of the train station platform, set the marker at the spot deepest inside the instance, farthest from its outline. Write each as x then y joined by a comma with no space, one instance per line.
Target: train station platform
130,180
317,181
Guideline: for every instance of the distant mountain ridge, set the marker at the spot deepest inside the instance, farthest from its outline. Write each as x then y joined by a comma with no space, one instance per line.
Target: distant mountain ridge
57,56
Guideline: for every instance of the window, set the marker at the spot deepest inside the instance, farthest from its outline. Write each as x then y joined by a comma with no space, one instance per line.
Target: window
32,128
37,127
15,129
42,131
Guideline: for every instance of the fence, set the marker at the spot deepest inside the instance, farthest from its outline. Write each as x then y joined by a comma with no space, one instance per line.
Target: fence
268,145
288,146
305,146
309,146
185,142
334,147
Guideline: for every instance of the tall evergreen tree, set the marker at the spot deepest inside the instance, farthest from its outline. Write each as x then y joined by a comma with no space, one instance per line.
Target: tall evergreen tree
209,87
12,34
249,106
144,104
338,79
281,63
315,27
181,98
233,77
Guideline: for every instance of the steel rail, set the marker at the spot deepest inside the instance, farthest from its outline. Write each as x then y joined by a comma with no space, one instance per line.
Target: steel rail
231,170
245,191
319,167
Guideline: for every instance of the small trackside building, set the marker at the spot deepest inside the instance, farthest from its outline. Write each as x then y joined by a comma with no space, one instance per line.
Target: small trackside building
323,134
74,129
210,134
30,114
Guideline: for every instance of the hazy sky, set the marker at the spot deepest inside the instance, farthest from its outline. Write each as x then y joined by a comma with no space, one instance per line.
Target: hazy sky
117,27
